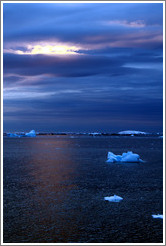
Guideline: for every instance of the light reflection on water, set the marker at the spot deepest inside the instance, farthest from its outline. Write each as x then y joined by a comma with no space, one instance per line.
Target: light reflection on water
49,172
53,179
54,190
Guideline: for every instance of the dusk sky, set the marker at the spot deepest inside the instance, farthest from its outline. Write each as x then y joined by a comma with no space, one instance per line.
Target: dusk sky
83,66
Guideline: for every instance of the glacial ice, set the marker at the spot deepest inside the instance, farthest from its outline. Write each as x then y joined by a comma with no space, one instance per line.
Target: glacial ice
157,216
13,135
32,133
114,198
95,133
125,157
131,132
29,134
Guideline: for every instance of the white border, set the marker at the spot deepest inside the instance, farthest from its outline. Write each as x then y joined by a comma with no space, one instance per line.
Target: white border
164,123
83,244
3,1
2,124
163,2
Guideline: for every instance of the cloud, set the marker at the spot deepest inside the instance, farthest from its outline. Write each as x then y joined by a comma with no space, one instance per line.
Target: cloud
152,65
67,66
83,66
28,93
46,48
125,23
82,25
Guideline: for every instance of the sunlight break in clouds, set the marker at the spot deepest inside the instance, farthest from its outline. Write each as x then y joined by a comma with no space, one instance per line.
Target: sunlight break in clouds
46,49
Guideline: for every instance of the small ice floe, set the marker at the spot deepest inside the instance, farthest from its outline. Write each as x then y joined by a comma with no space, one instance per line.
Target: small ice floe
114,198
125,157
32,133
157,216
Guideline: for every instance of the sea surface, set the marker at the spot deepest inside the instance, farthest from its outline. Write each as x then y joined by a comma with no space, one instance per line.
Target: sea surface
54,189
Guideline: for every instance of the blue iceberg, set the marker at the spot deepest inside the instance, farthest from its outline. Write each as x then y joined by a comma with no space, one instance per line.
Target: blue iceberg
125,157
14,135
157,216
32,133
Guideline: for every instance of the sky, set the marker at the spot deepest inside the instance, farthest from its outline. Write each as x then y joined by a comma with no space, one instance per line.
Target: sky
82,67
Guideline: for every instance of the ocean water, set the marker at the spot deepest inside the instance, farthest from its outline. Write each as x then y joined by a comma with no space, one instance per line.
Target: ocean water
54,189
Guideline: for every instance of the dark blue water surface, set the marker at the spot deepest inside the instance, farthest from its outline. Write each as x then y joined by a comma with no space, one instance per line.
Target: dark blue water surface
54,189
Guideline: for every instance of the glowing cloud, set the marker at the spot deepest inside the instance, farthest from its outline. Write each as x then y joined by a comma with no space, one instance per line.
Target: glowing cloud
46,49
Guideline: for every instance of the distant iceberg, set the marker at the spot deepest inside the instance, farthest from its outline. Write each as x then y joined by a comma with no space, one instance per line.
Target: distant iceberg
114,198
130,132
157,216
125,157
17,135
94,133
32,133
14,135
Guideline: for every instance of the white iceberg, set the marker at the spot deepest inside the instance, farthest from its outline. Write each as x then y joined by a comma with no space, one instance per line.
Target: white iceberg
130,132
114,198
125,157
157,216
32,133
95,133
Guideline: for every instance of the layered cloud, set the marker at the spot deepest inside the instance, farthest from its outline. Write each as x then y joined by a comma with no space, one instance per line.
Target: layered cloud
125,23
86,63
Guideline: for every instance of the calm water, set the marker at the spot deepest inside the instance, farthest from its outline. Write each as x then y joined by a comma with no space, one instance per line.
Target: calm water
54,189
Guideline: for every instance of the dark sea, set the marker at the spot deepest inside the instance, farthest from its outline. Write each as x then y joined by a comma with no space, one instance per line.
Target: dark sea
54,189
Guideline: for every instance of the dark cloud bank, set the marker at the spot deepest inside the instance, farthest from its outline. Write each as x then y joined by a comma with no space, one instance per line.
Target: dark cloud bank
112,82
